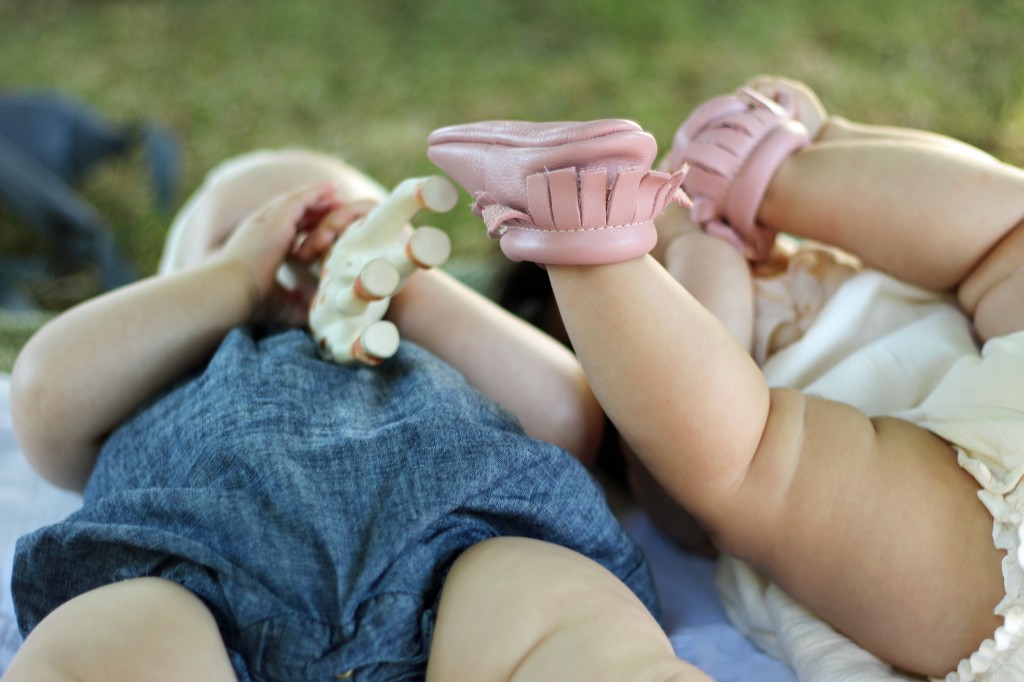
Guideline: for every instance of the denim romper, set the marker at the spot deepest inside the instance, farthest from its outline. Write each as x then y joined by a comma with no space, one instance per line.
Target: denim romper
316,509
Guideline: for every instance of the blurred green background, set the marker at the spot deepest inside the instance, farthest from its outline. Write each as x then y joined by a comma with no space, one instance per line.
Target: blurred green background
369,79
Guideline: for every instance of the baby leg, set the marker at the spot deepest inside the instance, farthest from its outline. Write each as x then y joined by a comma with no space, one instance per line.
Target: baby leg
920,206
869,523
719,278
806,108
519,609
928,213
923,212
712,271
122,633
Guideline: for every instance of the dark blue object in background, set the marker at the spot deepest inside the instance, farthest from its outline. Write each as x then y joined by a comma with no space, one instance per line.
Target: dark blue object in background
48,143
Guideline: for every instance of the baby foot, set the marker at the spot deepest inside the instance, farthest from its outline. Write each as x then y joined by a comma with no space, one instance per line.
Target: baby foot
796,98
368,265
732,145
564,193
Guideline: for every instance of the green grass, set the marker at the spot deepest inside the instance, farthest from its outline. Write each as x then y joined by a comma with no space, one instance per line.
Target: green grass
369,79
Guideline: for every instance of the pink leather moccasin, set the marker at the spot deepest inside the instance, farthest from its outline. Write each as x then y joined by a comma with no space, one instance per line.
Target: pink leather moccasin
560,193
733,145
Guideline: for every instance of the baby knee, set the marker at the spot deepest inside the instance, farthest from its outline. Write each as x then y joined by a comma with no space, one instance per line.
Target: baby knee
991,292
996,310
123,631
515,609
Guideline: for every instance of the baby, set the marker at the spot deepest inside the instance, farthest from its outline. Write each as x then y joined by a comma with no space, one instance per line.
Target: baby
252,511
872,522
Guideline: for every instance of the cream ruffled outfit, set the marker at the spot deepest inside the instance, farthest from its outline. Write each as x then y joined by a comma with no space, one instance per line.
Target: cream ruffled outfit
889,348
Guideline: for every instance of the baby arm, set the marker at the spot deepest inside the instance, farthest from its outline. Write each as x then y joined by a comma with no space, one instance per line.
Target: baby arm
89,368
515,364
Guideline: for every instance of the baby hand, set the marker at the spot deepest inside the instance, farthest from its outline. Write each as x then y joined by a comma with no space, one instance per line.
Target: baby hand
297,228
368,265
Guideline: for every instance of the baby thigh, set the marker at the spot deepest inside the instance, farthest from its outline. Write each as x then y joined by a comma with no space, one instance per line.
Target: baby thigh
873,526
521,609
124,632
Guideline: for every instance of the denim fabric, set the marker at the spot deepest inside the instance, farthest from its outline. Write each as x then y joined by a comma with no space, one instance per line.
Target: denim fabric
316,509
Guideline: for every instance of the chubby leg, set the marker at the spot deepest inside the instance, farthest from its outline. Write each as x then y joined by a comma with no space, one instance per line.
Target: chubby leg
719,278
870,523
925,213
837,128
799,98
923,207
667,372
877,536
143,629
673,520
519,609
714,273
931,187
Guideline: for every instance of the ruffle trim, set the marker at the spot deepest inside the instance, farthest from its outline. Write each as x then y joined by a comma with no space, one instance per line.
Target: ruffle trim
1003,496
